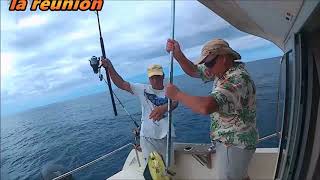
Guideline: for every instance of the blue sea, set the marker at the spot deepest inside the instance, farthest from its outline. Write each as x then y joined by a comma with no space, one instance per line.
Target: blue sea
75,132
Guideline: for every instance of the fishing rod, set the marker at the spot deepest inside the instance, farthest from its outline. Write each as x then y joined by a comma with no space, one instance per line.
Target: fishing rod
96,66
97,69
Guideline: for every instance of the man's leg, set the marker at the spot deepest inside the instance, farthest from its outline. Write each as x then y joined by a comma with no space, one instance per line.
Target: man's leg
232,162
159,145
147,147
239,160
220,163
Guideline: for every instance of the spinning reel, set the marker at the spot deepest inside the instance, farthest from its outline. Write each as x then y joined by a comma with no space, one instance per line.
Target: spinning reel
95,63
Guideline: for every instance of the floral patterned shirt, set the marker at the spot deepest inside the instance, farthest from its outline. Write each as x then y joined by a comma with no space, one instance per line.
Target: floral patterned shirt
235,121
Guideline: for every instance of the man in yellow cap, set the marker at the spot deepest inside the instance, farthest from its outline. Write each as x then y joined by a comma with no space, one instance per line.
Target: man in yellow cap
154,106
231,104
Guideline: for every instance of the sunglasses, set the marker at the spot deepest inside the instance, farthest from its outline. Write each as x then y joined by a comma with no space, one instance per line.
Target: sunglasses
211,63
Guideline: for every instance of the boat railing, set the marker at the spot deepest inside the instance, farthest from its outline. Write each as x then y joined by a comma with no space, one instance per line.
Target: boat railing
277,134
93,162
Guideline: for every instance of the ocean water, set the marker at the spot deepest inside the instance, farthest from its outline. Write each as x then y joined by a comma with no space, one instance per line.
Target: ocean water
75,132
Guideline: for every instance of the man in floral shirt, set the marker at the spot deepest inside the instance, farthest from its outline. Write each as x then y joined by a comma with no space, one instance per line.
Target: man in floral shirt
231,104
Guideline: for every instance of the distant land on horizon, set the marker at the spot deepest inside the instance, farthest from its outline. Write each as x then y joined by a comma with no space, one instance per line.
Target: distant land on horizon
178,80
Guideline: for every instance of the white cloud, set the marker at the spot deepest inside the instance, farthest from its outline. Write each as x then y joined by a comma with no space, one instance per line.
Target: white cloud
10,61
248,42
7,64
32,21
8,20
193,53
77,35
16,20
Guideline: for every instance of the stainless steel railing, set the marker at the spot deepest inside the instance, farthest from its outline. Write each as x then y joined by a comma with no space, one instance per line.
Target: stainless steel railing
92,162
277,134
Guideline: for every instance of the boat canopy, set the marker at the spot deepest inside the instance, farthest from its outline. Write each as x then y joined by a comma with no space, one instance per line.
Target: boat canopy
271,20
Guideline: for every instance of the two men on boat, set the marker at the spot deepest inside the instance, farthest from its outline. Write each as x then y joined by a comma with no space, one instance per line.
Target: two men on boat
154,106
231,104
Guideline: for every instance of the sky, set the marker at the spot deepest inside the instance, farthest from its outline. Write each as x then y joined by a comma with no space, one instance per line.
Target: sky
44,55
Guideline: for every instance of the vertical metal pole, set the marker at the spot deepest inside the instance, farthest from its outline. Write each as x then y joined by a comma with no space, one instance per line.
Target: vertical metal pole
135,149
278,99
108,77
169,140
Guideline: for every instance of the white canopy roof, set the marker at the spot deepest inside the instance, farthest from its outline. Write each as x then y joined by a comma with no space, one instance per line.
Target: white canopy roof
271,20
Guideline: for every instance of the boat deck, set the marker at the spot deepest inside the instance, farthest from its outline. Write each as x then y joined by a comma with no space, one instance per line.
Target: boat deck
194,161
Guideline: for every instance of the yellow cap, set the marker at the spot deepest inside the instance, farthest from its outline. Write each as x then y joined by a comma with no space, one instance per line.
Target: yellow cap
155,69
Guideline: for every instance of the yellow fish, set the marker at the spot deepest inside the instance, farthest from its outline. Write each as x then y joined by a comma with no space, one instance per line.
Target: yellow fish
156,166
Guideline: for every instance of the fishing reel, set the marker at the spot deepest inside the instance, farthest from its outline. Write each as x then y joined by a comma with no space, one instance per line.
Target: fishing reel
96,67
95,64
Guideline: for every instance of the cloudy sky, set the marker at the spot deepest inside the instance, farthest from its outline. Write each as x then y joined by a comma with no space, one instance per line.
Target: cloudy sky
44,55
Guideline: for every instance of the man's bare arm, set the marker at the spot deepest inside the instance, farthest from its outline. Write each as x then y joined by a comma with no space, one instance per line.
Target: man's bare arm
116,78
158,112
187,65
